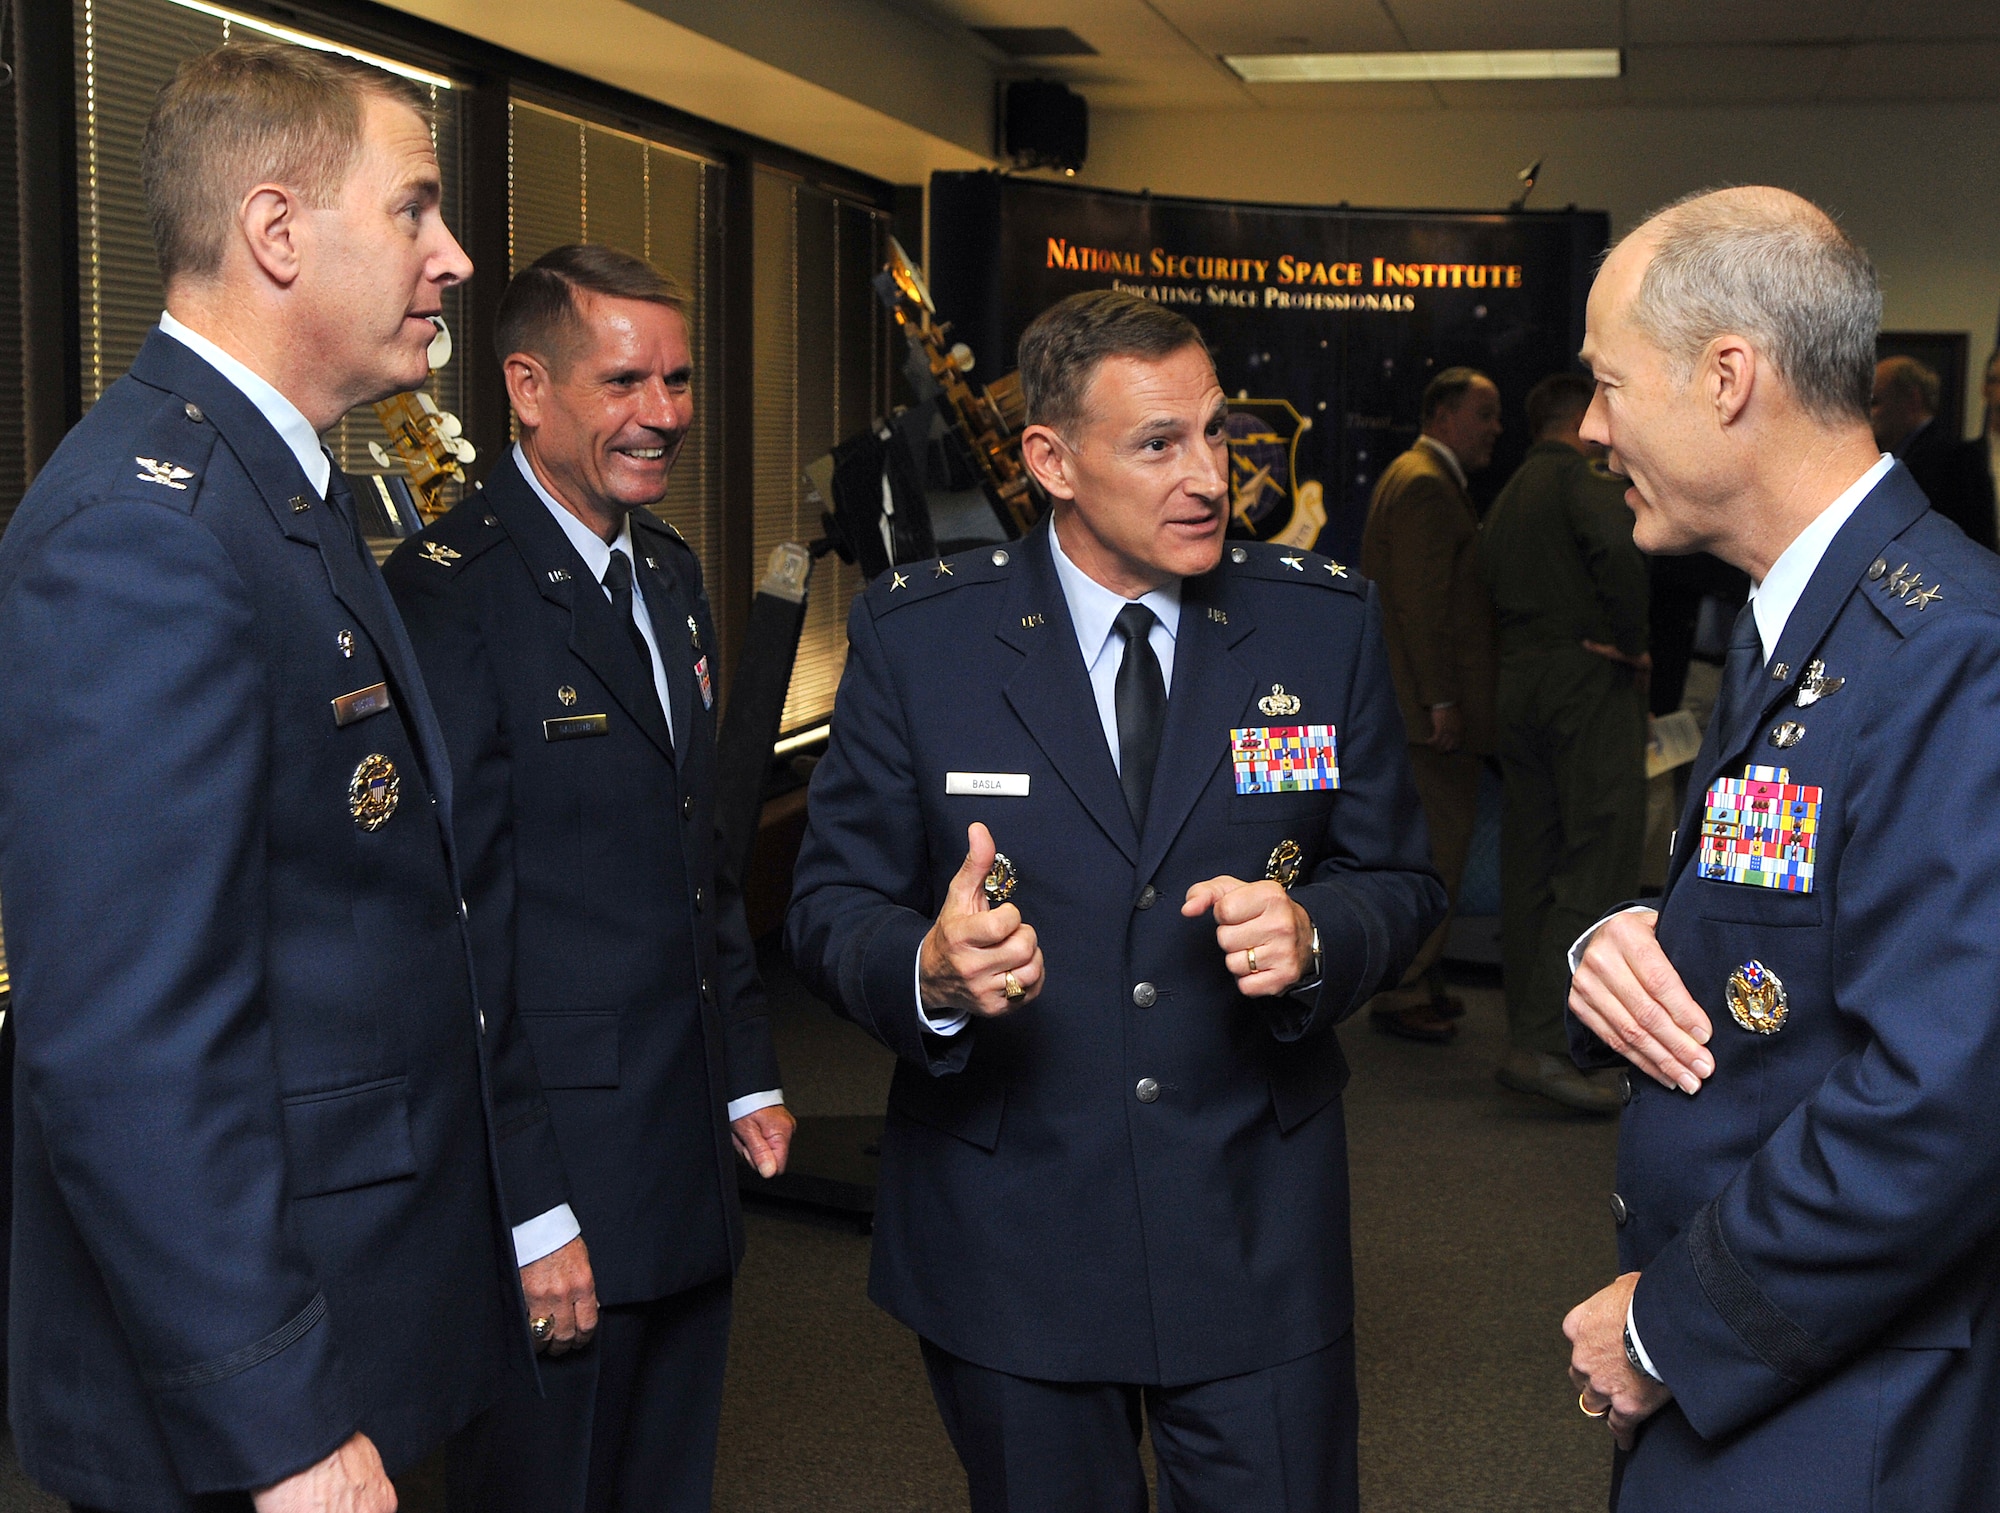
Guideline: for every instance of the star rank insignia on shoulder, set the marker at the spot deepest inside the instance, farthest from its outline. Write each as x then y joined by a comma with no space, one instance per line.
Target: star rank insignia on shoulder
926,578
169,475
1264,559
1905,584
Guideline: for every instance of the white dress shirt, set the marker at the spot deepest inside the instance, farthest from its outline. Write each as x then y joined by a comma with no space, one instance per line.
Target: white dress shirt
293,428
1771,602
1447,456
596,554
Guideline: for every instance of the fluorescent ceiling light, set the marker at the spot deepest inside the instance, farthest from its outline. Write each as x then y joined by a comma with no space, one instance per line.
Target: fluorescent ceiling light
1399,68
317,44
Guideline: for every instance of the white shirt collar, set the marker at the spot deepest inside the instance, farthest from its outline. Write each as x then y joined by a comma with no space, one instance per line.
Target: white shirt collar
1449,457
1778,595
593,548
1093,608
293,428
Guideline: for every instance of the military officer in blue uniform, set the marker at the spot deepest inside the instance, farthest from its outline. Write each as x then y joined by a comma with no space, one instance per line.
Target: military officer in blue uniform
258,1251
567,641
1808,1201
1114,1175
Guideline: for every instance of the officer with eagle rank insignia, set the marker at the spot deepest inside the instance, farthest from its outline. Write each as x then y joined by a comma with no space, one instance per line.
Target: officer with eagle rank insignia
1808,1202
1116,824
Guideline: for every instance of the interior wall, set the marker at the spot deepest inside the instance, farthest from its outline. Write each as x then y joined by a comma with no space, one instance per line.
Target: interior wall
1917,185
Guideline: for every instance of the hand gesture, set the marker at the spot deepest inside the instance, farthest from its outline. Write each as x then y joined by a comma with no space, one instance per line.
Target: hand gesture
1266,938
975,954
1627,994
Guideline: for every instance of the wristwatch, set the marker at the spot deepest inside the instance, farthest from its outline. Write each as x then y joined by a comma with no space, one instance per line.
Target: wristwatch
1632,1355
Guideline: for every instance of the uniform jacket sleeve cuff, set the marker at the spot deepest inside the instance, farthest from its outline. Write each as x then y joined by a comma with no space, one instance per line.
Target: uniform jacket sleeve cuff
875,979
750,1103
545,1234
1353,953
259,1414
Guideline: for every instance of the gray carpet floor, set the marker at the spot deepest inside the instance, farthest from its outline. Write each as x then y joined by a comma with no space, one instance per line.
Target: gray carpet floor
1480,1217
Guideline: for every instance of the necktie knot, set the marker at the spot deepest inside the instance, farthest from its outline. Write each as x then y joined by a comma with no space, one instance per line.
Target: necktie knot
1134,623
618,574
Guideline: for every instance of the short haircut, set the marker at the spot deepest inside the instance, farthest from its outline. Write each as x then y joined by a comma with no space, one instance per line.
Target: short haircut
1064,346
1447,389
247,114
539,315
1556,399
1768,265
1912,378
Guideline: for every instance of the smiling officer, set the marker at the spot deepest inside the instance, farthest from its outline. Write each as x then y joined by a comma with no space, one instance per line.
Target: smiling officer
564,630
1809,1170
1114,1176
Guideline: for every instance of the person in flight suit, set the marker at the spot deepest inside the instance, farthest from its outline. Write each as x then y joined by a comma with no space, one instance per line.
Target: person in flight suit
1809,1169
258,1253
567,641
1114,1173
1418,547
1569,601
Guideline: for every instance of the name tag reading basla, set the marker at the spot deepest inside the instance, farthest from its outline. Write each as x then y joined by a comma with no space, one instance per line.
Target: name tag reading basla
1285,758
360,704
574,727
991,785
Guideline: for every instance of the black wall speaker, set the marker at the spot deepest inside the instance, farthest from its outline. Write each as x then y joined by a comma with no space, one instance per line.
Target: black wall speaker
1043,124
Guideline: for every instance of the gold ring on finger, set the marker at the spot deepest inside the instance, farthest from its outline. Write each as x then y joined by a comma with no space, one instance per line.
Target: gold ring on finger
1014,988
1586,1408
542,1328
1251,957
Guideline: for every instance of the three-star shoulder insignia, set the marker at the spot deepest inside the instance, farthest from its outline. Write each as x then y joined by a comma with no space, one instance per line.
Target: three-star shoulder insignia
1907,586
167,474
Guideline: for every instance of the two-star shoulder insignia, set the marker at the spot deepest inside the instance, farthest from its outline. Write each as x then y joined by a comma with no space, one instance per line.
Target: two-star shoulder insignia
927,577
1261,559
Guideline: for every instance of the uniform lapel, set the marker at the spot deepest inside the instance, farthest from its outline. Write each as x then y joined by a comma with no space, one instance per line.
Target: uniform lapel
1051,692
1892,506
302,515
561,577
671,619
1211,689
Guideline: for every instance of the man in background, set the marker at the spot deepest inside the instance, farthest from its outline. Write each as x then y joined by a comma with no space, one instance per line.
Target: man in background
1903,414
564,629
1569,604
1418,548
258,1257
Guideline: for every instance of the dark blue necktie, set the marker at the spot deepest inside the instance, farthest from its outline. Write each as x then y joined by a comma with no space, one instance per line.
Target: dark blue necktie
1742,672
1140,695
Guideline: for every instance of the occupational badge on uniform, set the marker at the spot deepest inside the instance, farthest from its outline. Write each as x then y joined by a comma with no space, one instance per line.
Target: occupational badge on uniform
1756,998
701,677
1278,702
373,791
1285,758
345,641
1761,829
438,552
1000,879
169,475
1283,867
566,696
1787,735
1815,685
694,634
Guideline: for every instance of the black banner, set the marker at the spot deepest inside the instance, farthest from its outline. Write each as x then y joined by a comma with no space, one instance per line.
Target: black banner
1325,323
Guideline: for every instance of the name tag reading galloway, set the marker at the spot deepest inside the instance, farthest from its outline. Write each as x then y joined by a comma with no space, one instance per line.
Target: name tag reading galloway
992,785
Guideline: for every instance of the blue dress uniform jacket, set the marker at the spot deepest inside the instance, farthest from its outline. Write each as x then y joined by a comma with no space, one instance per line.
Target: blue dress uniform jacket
588,841
1816,1229
254,1170
1040,1212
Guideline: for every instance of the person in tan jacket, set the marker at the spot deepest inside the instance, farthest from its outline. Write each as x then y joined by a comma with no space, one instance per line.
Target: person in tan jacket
1418,546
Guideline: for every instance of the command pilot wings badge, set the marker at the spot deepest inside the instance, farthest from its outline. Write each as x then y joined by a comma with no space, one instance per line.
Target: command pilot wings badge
167,474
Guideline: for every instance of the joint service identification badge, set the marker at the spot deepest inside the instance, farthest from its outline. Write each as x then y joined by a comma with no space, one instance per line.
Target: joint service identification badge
1760,829
1757,999
373,791
1285,758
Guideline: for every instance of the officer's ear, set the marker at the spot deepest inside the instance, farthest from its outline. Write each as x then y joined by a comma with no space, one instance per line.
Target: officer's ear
528,384
269,220
1048,460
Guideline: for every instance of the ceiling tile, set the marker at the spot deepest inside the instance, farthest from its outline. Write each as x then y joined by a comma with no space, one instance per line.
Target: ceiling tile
1931,19
1727,75
1453,25
1283,26
1533,94
1917,71
1706,22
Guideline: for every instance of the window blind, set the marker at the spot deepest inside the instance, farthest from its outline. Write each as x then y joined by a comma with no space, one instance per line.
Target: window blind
126,51
13,396
818,376
573,180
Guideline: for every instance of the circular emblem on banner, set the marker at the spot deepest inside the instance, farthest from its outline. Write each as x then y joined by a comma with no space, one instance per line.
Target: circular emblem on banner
372,792
1757,998
1267,499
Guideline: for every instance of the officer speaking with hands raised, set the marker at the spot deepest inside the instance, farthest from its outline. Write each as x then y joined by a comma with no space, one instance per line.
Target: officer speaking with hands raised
1808,1201
1114,1174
